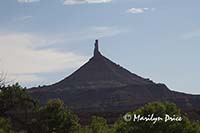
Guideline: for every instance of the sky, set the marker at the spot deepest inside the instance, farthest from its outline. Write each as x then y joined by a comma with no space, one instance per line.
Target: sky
44,41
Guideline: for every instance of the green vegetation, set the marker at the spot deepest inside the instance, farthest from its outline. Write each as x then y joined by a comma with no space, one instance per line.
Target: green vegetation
97,125
19,113
4,125
159,109
16,106
56,118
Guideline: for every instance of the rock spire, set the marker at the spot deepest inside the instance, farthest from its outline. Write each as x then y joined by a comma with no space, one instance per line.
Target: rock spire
96,49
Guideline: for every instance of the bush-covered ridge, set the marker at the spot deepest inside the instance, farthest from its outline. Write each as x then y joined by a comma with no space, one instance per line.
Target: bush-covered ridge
19,113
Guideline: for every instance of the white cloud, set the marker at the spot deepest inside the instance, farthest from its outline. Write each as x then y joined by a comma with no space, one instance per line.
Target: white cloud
21,39
23,18
191,35
23,78
20,57
73,2
139,10
27,1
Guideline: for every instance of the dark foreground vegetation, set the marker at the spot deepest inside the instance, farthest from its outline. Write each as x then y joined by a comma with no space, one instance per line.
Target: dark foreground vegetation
19,113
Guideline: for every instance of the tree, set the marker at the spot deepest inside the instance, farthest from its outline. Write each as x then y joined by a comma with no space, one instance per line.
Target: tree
159,109
17,105
196,127
99,125
2,80
4,125
56,118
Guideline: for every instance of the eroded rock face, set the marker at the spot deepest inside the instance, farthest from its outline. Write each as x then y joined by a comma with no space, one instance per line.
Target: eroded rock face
102,85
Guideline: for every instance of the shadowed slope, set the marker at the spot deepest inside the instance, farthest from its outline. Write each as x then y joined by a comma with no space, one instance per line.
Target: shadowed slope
100,85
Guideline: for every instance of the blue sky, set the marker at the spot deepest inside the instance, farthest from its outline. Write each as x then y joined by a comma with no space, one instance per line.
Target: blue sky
43,41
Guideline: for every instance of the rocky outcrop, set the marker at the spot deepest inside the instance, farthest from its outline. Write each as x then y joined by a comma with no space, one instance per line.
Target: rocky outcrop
101,85
96,49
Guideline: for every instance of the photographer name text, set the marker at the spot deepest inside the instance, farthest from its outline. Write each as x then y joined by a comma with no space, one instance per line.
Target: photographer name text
151,118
